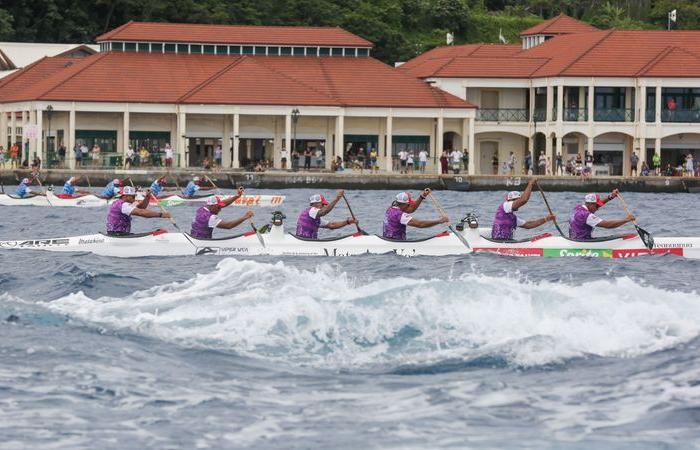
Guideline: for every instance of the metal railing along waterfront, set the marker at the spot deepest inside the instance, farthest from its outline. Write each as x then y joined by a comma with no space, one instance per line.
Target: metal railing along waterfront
503,115
613,115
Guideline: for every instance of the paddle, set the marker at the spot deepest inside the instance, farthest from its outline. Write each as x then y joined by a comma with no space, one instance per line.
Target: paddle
38,179
549,208
441,211
172,221
257,233
352,215
212,183
644,235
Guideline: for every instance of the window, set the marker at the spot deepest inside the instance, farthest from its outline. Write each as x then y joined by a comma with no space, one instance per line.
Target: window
349,52
143,47
298,51
286,50
118,46
156,48
337,51
209,49
259,50
311,51
170,48
324,51
221,50
183,48
609,97
195,48
273,50
130,46
234,50
362,52
248,49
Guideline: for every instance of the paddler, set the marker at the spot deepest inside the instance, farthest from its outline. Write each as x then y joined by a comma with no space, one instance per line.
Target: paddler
505,222
111,190
23,190
194,186
69,187
120,212
207,217
157,185
583,218
398,216
311,218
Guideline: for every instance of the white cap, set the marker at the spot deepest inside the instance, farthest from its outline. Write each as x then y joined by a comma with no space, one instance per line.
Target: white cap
116,181
195,178
25,181
594,198
215,200
512,195
403,197
317,198
127,190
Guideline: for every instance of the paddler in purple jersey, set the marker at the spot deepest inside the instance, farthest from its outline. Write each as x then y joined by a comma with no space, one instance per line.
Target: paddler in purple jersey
505,222
311,218
207,217
583,218
120,212
398,216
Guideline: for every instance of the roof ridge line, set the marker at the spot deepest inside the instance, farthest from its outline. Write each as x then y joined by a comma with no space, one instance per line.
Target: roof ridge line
108,34
294,79
98,58
333,89
651,63
209,80
578,58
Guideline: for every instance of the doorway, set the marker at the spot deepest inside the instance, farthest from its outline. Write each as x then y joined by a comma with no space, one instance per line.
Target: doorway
487,150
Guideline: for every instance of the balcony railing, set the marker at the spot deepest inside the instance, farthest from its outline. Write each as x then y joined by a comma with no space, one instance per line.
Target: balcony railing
539,115
502,115
613,115
576,115
681,115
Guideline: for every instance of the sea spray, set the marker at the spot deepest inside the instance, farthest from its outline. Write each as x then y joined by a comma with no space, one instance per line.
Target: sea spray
324,318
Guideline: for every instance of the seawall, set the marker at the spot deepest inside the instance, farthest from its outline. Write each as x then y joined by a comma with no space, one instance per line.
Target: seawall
325,180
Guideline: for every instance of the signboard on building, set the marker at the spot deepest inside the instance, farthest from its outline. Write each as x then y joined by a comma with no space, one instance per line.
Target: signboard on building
30,131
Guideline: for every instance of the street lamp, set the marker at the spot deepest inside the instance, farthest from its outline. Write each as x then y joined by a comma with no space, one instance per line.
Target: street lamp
295,120
49,113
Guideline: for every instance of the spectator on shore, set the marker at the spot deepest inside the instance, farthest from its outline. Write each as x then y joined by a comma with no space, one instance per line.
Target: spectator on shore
284,155
588,159
96,155
549,166
168,155
78,155
61,156
656,162
559,165
2,156
337,165
206,164
14,156
295,160
511,164
422,160
307,159
645,169
542,164
456,157
669,170
634,162
689,165
129,157
318,154
403,160
374,165
671,106
443,162
218,156
84,153
494,164
143,156
409,163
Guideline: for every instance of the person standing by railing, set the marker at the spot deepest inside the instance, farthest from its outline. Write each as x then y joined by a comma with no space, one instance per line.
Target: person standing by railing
559,165
634,162
168,155
656,162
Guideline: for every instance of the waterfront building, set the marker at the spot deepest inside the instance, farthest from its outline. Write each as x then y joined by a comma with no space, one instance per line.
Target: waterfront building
570,88
258,93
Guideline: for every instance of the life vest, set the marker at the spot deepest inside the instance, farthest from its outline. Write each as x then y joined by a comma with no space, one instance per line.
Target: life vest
307,226
578,228
117,221
68,189
200,224
393,228
504,224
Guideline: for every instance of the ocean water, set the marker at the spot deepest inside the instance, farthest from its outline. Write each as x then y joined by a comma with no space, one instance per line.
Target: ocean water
480,351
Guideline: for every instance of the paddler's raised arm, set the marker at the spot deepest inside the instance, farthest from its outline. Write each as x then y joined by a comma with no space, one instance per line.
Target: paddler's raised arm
329,207
523,199
143,204
234,197
413,206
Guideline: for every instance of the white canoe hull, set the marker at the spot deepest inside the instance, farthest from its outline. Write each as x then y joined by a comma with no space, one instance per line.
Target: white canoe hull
278,243
92,201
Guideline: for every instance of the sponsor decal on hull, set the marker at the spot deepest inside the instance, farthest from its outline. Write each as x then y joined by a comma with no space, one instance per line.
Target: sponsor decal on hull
587,252
630,253
35,243
509,251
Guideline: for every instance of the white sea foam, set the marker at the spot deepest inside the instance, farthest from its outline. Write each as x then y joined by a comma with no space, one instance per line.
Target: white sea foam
322,318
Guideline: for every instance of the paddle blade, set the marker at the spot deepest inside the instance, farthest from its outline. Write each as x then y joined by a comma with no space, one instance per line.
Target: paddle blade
459,236
646,237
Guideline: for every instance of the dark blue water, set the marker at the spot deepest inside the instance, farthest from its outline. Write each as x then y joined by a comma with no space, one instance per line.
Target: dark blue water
366,352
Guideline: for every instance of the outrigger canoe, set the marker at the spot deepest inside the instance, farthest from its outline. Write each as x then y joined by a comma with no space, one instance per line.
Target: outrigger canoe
93,201
279,243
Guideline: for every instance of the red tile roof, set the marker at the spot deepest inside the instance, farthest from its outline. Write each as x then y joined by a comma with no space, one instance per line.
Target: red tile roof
611,53
233,34
237,80
561,24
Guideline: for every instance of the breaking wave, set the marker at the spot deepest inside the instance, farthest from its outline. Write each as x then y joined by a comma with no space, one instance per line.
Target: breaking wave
325,318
